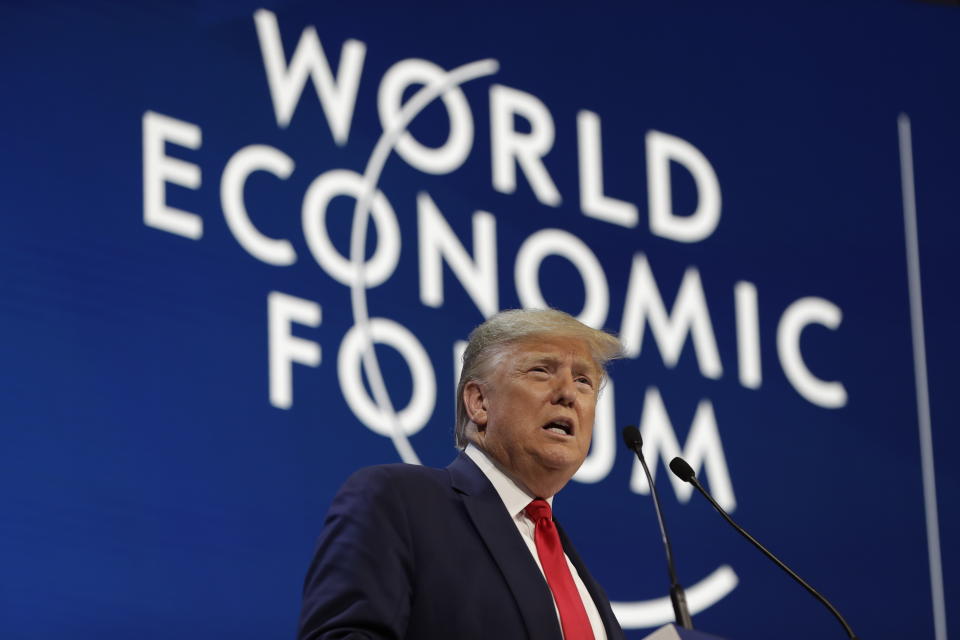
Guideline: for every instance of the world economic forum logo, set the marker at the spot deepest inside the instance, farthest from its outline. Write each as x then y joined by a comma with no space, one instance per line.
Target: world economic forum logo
515,154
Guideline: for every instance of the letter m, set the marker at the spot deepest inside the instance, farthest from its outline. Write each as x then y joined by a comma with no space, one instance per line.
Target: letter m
689,316
702,449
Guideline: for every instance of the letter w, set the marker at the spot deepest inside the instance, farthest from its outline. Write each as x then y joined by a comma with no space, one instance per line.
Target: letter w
337,96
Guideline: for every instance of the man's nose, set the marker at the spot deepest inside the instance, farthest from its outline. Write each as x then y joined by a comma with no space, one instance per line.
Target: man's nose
565,391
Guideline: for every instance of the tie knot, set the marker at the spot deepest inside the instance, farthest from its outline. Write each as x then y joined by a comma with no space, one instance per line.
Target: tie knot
538,510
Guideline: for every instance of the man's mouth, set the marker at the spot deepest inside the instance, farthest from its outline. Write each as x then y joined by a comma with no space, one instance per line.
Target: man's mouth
559,427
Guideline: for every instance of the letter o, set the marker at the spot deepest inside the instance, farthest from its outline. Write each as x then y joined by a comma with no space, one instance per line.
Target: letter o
323,189
452,154
548,242
350,373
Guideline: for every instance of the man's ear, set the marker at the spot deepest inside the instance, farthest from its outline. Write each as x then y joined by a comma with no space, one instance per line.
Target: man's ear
475,402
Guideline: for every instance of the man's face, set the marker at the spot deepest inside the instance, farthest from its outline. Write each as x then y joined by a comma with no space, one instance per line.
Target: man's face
536,410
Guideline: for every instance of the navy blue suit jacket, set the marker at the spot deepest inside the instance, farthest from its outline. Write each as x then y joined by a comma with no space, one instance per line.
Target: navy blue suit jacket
415,552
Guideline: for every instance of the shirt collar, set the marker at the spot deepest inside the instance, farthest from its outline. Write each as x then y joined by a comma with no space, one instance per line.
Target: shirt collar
515,497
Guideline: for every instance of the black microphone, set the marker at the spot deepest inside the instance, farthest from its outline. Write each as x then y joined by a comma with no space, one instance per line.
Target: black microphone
631,436
683,471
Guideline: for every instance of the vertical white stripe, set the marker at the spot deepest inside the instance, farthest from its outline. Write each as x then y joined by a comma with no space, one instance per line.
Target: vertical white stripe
920,372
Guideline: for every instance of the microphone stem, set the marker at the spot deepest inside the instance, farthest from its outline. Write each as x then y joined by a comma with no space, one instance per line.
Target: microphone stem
775,559
677,596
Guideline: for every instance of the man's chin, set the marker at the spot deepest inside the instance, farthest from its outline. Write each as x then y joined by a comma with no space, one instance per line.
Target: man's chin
561,458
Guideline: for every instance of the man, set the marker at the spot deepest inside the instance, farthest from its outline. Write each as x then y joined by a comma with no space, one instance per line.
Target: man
472,551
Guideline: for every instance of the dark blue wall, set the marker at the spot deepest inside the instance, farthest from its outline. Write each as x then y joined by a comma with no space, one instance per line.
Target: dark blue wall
152,489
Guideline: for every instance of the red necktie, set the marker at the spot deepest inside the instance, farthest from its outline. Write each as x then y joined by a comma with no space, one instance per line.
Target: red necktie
573,617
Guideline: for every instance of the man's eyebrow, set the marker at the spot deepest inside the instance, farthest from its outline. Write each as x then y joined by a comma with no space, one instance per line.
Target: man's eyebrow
588,365
582,365
528,358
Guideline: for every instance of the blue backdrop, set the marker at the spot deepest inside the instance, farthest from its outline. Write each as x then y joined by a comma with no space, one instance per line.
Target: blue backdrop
730,188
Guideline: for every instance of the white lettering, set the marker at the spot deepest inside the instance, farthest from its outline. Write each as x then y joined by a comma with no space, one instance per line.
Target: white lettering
556,242
702,448
256,157
337,96
159,168
663,148
349,370
689,315
323,189
797,316
748,334
438,242
510,148
452,154
590,157
285,348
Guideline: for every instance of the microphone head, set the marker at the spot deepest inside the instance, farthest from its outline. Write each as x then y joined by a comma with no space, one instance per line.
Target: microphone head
631,436
682,470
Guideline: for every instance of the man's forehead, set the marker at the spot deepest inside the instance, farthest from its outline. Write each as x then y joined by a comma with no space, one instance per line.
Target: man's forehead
555,347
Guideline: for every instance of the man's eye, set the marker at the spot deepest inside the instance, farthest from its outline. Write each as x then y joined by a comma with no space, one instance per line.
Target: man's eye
585,380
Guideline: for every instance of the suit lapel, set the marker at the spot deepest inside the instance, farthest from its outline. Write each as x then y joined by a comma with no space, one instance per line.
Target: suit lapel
508,549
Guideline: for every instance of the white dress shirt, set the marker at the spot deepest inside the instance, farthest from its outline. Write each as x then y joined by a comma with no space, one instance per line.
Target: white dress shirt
515,499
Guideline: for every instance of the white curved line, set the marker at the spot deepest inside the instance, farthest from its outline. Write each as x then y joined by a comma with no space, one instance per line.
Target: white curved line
358,235
702,595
